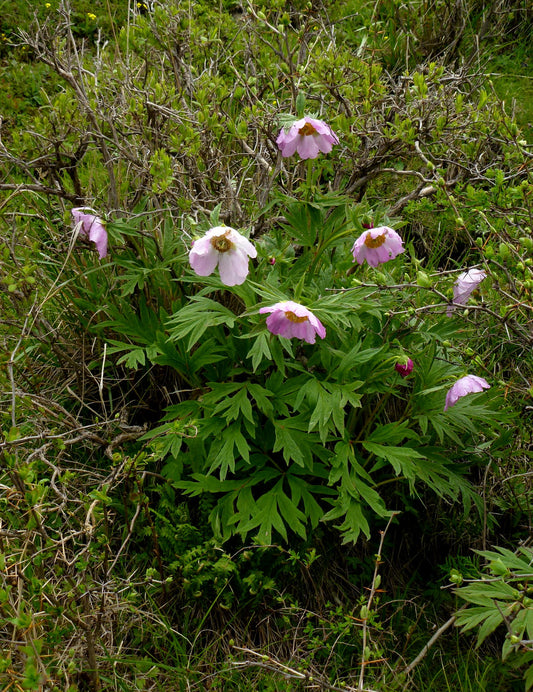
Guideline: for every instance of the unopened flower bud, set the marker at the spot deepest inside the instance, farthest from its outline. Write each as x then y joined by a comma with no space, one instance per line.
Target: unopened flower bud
404,369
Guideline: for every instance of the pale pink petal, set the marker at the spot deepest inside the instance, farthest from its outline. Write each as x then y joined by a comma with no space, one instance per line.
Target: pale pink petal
203,257
232,257
217,230
289,147
308,147
393,243
296,329
287,136
317,325
391,247
243,244
98,235
466,283
470,384
78,215
382,254
92,226
277,323
296,308
323,129
282,138
271,308
324,144
361,253
297,125
233,267
306,332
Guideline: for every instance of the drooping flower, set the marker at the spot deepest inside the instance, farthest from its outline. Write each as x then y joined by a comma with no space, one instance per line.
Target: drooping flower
469,384
405,369
377,245
225,247
464,285
92,226
290,319
308,137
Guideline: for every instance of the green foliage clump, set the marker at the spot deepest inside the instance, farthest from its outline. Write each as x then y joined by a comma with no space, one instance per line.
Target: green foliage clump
502,597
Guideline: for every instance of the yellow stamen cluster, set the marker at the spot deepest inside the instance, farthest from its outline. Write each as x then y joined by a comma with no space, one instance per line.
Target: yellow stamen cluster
307,129
222,243
375,242
294,318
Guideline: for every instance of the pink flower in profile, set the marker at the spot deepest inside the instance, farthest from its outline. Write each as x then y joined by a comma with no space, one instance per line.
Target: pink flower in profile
290,319
464,285
377,245
91,226
469,384
308,137
405,369
225,247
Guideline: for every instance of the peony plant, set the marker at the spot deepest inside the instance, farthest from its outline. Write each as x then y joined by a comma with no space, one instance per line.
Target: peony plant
377,246
226,248
290,319
91,226
469,384
308,137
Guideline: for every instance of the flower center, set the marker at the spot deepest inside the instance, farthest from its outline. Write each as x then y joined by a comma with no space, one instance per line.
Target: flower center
307,129
294,318
222,243
375,242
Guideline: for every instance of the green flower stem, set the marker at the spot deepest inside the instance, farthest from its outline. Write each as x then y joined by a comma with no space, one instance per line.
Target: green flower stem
381,403
324,245
300,286
389,480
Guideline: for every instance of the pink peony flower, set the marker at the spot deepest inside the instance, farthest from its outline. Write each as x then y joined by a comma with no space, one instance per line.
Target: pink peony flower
290,319
405,369
226,247
92,226
377,245
464,285
308,137
470,384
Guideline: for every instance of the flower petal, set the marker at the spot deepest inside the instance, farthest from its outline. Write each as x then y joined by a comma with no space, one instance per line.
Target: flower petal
281,321
469,384
277,323
98,235
308,147
390,246
203,257
465,284
92,226
243,243
320,138
233,267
